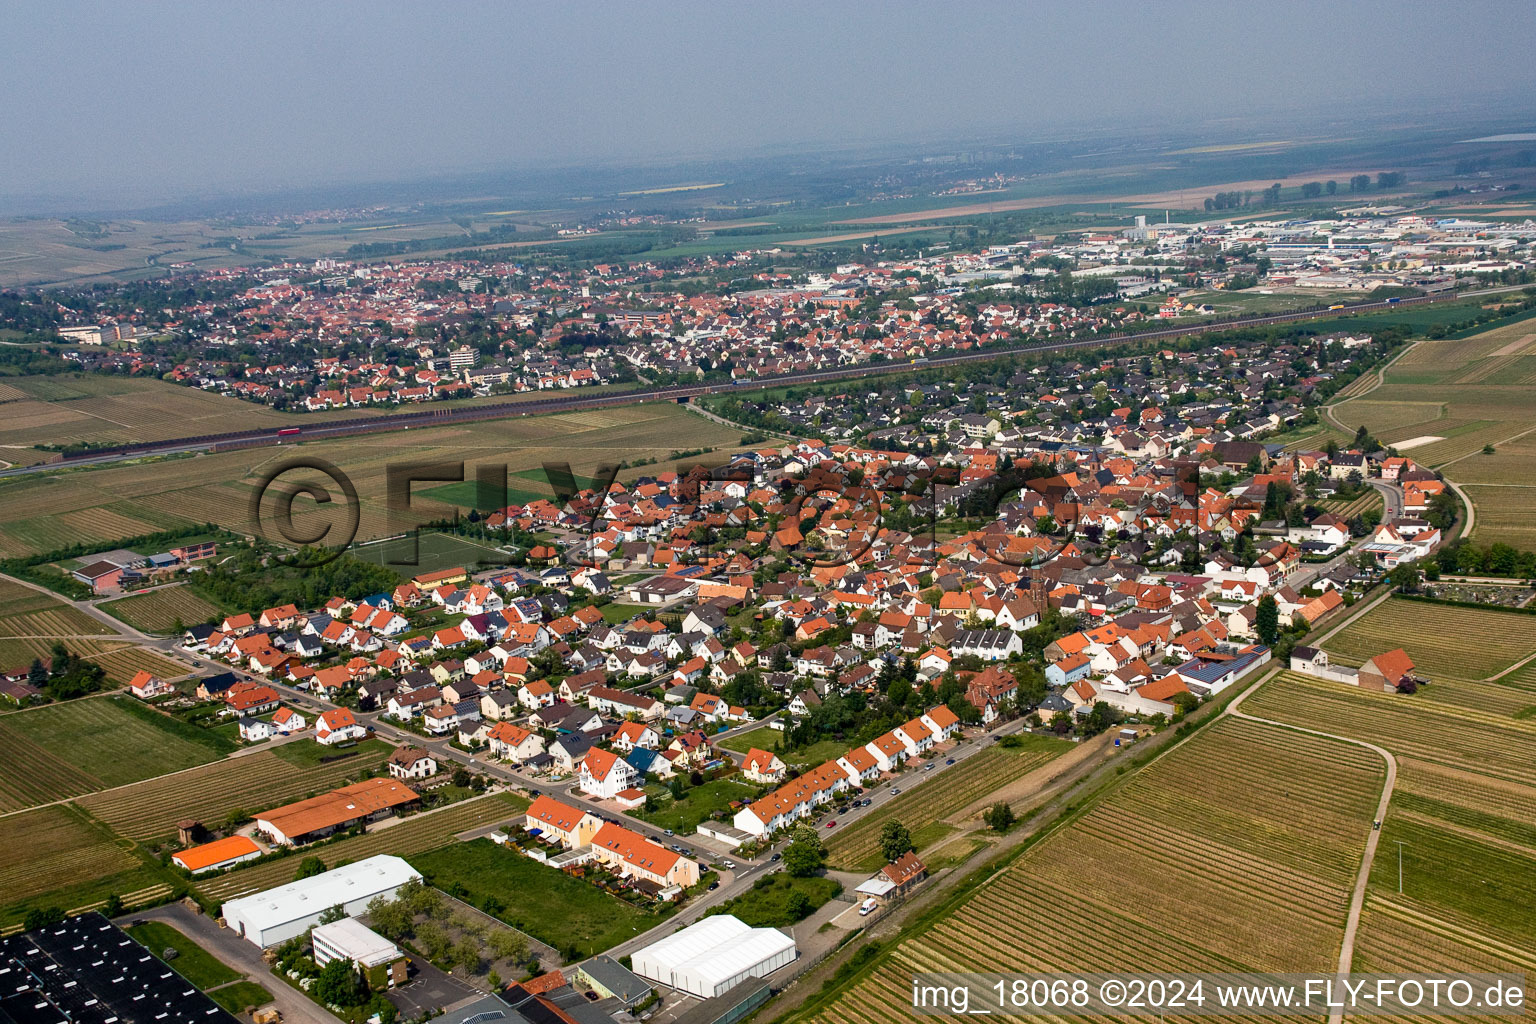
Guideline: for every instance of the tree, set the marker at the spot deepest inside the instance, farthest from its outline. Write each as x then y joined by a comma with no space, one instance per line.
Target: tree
999,817
467,954
1266,620
332,914
895,840
37,675
390,918
798,905
804,856
309,867
338,984
506,945
113,906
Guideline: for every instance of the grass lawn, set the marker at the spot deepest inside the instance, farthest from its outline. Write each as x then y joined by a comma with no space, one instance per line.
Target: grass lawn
116,740
771,902
466,494
192,961
613,614
697,805
309,754
436,551
767,738
548,904
241,996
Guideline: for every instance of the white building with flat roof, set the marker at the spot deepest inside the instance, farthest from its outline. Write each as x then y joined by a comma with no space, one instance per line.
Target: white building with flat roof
350,939
714,954
277,915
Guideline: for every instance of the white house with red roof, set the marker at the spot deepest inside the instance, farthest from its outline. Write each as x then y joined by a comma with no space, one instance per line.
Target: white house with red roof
605,774
288,721
338,725
763,766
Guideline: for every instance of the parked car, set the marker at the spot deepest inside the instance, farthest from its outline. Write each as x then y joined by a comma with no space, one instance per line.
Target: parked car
831,824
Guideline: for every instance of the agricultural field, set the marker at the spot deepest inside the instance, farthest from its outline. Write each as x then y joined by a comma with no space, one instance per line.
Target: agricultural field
1467,393
1444,641
25,612
1348,509
55,856
209,793
1235,851
93,743
932,800
1465,810
405,838
107,503
159,610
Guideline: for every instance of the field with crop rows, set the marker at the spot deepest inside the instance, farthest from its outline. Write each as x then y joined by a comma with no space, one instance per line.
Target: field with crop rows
158,610
932,800
416,834
44,512
253,782
1442,640
1347,510
97,740
1236,851
51,848
1464,809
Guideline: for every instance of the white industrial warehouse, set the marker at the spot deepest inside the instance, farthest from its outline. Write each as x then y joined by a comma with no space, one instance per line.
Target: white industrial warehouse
713,954
277,915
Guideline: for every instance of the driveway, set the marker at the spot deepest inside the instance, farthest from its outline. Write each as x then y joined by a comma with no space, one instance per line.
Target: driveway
238,954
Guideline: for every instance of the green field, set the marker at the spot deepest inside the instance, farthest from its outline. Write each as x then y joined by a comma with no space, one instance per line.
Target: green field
768,903
241,996
61,750
1464,809
699,803
553,907
192,961
1236,850
255,782
768,738
435,551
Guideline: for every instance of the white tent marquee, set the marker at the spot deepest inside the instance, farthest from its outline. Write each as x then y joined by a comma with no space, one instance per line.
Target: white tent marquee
714,954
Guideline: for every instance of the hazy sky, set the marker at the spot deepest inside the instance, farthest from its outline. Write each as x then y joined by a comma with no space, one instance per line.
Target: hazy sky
153,99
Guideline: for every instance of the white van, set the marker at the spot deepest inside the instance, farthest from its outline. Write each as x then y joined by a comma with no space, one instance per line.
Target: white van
868,907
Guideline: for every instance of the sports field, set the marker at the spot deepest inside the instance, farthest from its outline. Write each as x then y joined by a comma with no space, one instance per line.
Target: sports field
49,510
80,746
1236,851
